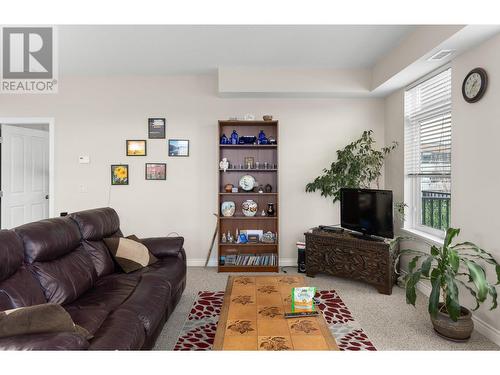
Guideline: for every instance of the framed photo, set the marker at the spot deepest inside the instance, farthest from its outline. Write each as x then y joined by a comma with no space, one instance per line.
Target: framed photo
178,147
156,171
248,162
156,128
119,174
136,147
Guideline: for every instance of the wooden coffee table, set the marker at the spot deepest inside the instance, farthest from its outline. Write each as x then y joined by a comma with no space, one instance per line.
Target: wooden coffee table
252,317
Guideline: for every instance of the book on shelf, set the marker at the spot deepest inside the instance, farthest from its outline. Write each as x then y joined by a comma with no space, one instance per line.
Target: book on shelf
266,259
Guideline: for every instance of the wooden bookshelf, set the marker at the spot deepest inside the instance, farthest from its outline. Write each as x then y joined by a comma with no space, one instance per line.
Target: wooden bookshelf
235,155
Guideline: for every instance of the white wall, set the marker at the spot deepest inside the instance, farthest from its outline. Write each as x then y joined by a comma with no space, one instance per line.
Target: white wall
94,116
475,155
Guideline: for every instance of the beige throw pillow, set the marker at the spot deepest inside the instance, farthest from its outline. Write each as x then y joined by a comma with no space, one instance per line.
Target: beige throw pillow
129,254
45,318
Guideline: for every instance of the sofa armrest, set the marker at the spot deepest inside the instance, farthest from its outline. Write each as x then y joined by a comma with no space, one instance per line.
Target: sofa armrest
45,341
162,247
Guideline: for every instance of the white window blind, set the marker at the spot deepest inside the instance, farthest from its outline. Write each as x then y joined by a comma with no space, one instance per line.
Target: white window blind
428,127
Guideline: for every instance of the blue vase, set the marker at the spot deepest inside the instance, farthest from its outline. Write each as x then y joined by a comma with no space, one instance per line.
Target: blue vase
262,138
234,138
224,140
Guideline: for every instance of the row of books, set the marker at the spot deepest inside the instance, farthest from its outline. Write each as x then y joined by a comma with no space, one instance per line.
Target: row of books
250,260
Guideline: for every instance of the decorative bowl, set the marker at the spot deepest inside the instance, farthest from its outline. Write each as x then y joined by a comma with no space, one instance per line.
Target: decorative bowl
267,118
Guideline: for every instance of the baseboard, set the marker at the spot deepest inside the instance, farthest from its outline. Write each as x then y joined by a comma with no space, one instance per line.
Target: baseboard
480,325
197,262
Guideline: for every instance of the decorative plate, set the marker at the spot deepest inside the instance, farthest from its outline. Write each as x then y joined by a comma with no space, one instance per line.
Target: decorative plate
247,182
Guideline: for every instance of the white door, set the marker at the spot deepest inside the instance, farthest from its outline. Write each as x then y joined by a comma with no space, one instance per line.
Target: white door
25,176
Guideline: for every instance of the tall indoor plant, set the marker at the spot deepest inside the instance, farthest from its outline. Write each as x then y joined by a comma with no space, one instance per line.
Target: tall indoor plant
357,166
448,267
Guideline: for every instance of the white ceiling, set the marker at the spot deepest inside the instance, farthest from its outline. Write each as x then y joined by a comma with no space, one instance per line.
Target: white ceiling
150,50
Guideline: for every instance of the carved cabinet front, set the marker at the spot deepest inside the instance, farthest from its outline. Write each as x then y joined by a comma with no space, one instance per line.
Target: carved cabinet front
341,254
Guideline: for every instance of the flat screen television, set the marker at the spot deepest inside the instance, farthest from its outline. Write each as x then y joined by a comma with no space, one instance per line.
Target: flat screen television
367,211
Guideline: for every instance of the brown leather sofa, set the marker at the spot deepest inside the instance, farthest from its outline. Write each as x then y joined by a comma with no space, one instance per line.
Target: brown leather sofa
65,261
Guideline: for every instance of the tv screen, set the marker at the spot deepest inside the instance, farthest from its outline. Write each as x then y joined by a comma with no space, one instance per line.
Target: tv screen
367,211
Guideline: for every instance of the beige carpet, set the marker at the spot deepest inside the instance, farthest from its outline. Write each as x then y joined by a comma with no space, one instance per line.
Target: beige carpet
388,321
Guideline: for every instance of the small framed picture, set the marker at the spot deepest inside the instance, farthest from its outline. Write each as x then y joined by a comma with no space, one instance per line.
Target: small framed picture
156,128
119,174
178,147
248,162
136,147
156,171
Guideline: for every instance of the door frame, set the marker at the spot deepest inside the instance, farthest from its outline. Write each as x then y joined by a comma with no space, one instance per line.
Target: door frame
41,120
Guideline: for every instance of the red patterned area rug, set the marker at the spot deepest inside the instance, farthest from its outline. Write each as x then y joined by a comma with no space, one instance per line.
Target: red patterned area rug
199,330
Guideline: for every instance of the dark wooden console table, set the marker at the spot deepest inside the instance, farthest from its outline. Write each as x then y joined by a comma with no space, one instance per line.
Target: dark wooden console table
342,254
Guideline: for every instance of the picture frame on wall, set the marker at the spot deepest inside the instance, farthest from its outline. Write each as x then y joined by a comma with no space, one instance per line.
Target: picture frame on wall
136,147
178,147
119,174
156,171
157,128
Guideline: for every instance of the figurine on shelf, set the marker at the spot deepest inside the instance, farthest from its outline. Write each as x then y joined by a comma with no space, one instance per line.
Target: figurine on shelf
224,239
271,140
237,236
269,188
242,238
262,138
260,189
234,138
224,164
270,209
224,140
263,213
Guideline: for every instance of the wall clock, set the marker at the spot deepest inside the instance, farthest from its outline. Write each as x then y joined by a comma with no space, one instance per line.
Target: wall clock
474,85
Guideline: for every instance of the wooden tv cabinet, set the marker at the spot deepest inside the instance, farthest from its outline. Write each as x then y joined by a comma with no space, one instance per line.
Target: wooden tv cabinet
342,254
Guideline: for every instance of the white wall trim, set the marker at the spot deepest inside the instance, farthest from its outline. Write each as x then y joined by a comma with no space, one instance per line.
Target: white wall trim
198,262
51,122
480,325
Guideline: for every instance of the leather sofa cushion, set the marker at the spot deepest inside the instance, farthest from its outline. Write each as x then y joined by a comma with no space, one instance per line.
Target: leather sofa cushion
122,330
92,308
99,253
11,254
21,289
48,239
63,280
45,341
149,301
170,269
98,223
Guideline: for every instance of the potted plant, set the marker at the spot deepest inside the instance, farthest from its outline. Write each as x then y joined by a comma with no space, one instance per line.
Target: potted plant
357,166
448,267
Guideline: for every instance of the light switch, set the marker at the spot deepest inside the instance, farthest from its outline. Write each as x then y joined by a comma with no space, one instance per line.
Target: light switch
84,159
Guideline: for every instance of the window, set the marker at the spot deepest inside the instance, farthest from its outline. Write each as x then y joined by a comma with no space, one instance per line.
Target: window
428,125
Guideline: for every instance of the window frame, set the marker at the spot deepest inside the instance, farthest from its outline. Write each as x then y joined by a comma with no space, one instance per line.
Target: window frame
412,185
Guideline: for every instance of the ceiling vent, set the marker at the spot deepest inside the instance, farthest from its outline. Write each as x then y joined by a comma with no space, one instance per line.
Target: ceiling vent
440,55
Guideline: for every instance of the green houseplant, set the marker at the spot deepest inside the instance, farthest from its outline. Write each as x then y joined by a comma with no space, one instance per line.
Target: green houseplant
357,166
448,267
